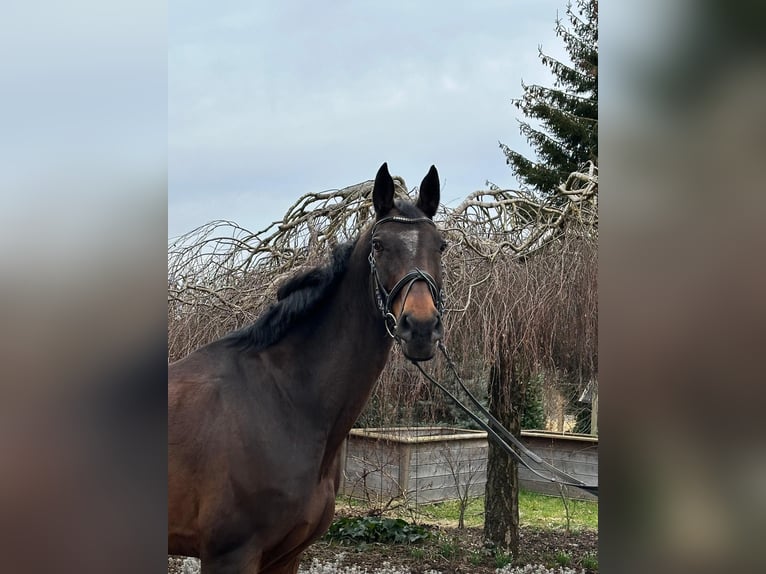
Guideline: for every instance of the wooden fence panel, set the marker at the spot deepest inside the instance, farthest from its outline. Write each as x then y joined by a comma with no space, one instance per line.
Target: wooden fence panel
428,464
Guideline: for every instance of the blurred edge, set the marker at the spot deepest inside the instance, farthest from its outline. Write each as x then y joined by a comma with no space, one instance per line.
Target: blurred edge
82,291
682,284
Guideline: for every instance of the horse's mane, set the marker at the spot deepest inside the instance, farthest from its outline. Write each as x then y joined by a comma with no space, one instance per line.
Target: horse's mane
299,295
296,298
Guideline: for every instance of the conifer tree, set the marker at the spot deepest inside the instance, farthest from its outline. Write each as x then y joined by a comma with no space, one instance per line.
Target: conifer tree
567,113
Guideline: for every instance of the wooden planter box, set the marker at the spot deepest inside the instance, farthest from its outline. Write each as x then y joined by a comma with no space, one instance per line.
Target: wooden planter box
424,464
427,464
575,454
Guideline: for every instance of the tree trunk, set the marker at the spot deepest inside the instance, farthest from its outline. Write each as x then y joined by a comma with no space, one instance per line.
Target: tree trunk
594,412
501,522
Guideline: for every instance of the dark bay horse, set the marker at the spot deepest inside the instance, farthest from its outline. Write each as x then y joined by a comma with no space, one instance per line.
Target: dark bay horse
256,419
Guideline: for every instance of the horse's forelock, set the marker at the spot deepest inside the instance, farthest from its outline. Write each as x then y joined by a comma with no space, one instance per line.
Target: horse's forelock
408,209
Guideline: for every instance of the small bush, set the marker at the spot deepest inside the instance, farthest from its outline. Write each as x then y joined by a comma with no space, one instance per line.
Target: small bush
533,413
534,569
448,549
563,559
503,559
590,562
367,529
475,558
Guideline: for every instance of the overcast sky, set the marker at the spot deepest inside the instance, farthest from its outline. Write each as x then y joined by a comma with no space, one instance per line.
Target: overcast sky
271,100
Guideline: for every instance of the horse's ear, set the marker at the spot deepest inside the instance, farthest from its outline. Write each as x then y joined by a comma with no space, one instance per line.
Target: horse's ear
428,197
383,191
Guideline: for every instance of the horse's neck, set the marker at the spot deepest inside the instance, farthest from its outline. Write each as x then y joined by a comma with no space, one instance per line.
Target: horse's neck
349,349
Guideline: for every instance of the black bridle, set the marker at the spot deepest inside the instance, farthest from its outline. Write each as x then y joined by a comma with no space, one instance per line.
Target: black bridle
383,298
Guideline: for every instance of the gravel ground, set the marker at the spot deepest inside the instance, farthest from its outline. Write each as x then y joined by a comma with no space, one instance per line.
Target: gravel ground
448,551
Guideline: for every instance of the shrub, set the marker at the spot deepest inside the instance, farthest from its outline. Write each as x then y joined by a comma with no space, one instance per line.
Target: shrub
376,529
563,559
590,562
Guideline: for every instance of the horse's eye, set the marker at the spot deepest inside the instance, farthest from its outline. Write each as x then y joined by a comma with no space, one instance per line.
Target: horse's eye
443,246
377,245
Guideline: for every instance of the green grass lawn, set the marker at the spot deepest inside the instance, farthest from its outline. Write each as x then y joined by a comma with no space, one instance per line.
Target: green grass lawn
535,510
544,517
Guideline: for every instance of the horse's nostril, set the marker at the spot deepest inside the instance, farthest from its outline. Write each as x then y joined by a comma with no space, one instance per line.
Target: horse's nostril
409,326
405,323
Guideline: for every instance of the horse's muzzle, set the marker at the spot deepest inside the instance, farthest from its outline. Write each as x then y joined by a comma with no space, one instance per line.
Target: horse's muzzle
419,336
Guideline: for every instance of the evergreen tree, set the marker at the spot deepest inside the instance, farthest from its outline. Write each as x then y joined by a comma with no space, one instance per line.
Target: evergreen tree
533,414
567,113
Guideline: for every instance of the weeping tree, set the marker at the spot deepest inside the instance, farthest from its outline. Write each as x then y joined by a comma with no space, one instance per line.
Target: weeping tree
549,326
527,292
561,126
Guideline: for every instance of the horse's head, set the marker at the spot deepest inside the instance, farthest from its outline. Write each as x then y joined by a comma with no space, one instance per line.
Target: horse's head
405,259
